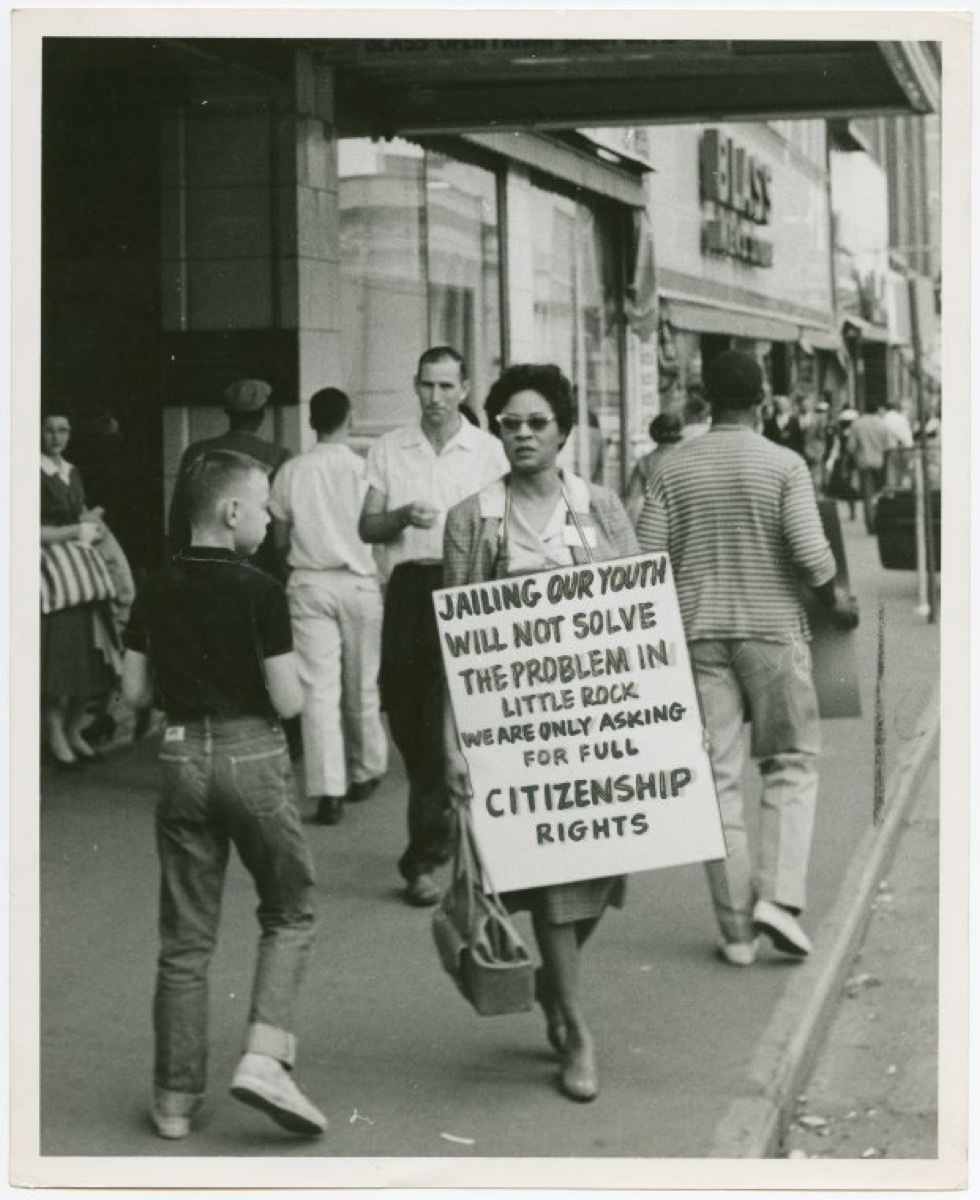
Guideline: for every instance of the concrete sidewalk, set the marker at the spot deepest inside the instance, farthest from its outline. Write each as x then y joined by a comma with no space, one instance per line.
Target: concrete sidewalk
873,1092
697,1059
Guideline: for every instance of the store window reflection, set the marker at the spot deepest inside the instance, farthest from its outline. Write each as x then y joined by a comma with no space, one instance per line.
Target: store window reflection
577,323
420,263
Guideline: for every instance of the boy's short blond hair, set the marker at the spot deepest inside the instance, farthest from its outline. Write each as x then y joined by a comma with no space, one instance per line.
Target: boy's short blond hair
216,476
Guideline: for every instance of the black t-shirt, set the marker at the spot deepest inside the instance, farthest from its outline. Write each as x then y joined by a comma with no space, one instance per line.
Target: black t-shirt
206,622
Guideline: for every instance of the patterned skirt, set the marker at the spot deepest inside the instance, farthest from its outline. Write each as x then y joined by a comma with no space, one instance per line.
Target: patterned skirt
566,903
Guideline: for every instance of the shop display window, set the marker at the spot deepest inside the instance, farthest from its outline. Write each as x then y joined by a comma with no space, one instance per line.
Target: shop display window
578,323
420,266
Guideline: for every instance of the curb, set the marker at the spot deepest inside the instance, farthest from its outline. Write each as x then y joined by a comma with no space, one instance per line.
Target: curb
755,1121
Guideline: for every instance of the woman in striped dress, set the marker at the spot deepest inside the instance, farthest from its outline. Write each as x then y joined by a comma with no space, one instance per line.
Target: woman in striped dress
516,525
79,651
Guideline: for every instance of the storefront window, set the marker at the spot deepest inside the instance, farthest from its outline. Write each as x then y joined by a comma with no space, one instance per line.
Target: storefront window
420,267
577,323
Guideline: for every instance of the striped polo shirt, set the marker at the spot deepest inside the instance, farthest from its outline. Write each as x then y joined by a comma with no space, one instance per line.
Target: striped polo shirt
739,518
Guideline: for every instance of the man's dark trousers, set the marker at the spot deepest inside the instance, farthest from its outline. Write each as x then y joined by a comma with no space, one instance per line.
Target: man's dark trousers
412,696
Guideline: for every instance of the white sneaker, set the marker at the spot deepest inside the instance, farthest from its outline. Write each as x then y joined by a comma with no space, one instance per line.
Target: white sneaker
739,954
264,1083
782,928
171,1125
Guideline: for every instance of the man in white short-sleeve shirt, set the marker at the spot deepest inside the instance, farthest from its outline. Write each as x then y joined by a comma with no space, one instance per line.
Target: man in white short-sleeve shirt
335,609
415,474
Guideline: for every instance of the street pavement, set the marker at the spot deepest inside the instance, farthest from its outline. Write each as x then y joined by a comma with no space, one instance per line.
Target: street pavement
873,1092
399,1062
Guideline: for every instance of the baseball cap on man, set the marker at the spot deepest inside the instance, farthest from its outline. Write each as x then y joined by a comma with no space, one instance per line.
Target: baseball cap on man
733,378
246,395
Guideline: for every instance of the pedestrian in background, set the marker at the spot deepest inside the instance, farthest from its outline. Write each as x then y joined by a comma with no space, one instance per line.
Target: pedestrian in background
535,519
815,424
840,468
869,439
783,426
415,475
80,655
210,638
666,432
245,403
740,522
697,413
335,607
899,424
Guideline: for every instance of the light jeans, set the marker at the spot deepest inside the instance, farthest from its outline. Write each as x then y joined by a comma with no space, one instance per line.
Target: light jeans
336,619
226,780
771,684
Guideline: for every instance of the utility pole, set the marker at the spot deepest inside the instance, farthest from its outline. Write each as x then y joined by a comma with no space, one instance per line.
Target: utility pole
923,450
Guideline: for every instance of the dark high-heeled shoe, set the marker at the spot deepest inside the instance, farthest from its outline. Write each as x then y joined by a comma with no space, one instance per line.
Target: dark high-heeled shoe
554,1018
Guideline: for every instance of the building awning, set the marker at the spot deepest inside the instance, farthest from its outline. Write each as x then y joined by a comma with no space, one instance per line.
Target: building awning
387,86
737,322
868,332
384,87
811,338
571,162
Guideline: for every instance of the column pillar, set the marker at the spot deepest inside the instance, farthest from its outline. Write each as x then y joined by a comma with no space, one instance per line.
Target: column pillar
308,225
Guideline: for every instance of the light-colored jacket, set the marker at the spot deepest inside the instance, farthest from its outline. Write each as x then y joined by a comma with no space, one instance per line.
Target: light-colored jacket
472,538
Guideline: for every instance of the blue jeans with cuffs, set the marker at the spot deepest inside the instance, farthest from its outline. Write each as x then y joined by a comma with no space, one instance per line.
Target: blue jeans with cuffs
226,781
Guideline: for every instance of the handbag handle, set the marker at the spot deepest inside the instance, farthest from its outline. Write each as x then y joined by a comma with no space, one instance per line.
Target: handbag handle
468,845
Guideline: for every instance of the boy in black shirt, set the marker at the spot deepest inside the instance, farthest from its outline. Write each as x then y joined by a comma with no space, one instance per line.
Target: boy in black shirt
209,640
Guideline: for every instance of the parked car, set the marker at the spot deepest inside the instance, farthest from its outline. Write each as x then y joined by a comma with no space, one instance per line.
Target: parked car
895,510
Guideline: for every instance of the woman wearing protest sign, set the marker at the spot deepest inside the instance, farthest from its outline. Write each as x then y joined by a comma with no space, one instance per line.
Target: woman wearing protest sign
538,518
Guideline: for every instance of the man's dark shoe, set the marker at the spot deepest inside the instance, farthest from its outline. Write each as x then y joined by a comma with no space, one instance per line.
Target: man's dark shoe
361,791
329,811
422,892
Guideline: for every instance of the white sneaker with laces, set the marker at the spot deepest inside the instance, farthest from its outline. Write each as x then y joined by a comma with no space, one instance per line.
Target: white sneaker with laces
739,954
782,928
171,1125
264,1083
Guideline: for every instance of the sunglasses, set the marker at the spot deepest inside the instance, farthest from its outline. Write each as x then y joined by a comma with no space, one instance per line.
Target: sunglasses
511,424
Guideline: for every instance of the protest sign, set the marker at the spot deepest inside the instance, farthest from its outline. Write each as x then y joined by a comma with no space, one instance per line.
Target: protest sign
579,722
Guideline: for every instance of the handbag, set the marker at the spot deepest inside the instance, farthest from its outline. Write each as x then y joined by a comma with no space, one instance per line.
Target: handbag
478,944
72,573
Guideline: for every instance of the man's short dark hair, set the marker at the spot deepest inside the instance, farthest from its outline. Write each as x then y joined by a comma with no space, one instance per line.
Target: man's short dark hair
212,477
732,380
544,378
437,354
329,409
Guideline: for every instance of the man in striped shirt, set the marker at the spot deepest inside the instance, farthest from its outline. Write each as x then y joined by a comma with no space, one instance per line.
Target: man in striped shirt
738,516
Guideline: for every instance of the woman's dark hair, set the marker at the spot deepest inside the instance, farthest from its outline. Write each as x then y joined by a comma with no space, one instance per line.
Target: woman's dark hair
666,427
544,378
56,408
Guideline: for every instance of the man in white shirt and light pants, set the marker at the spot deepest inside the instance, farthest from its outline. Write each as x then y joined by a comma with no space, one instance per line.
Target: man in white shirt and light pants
335,610
415,475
